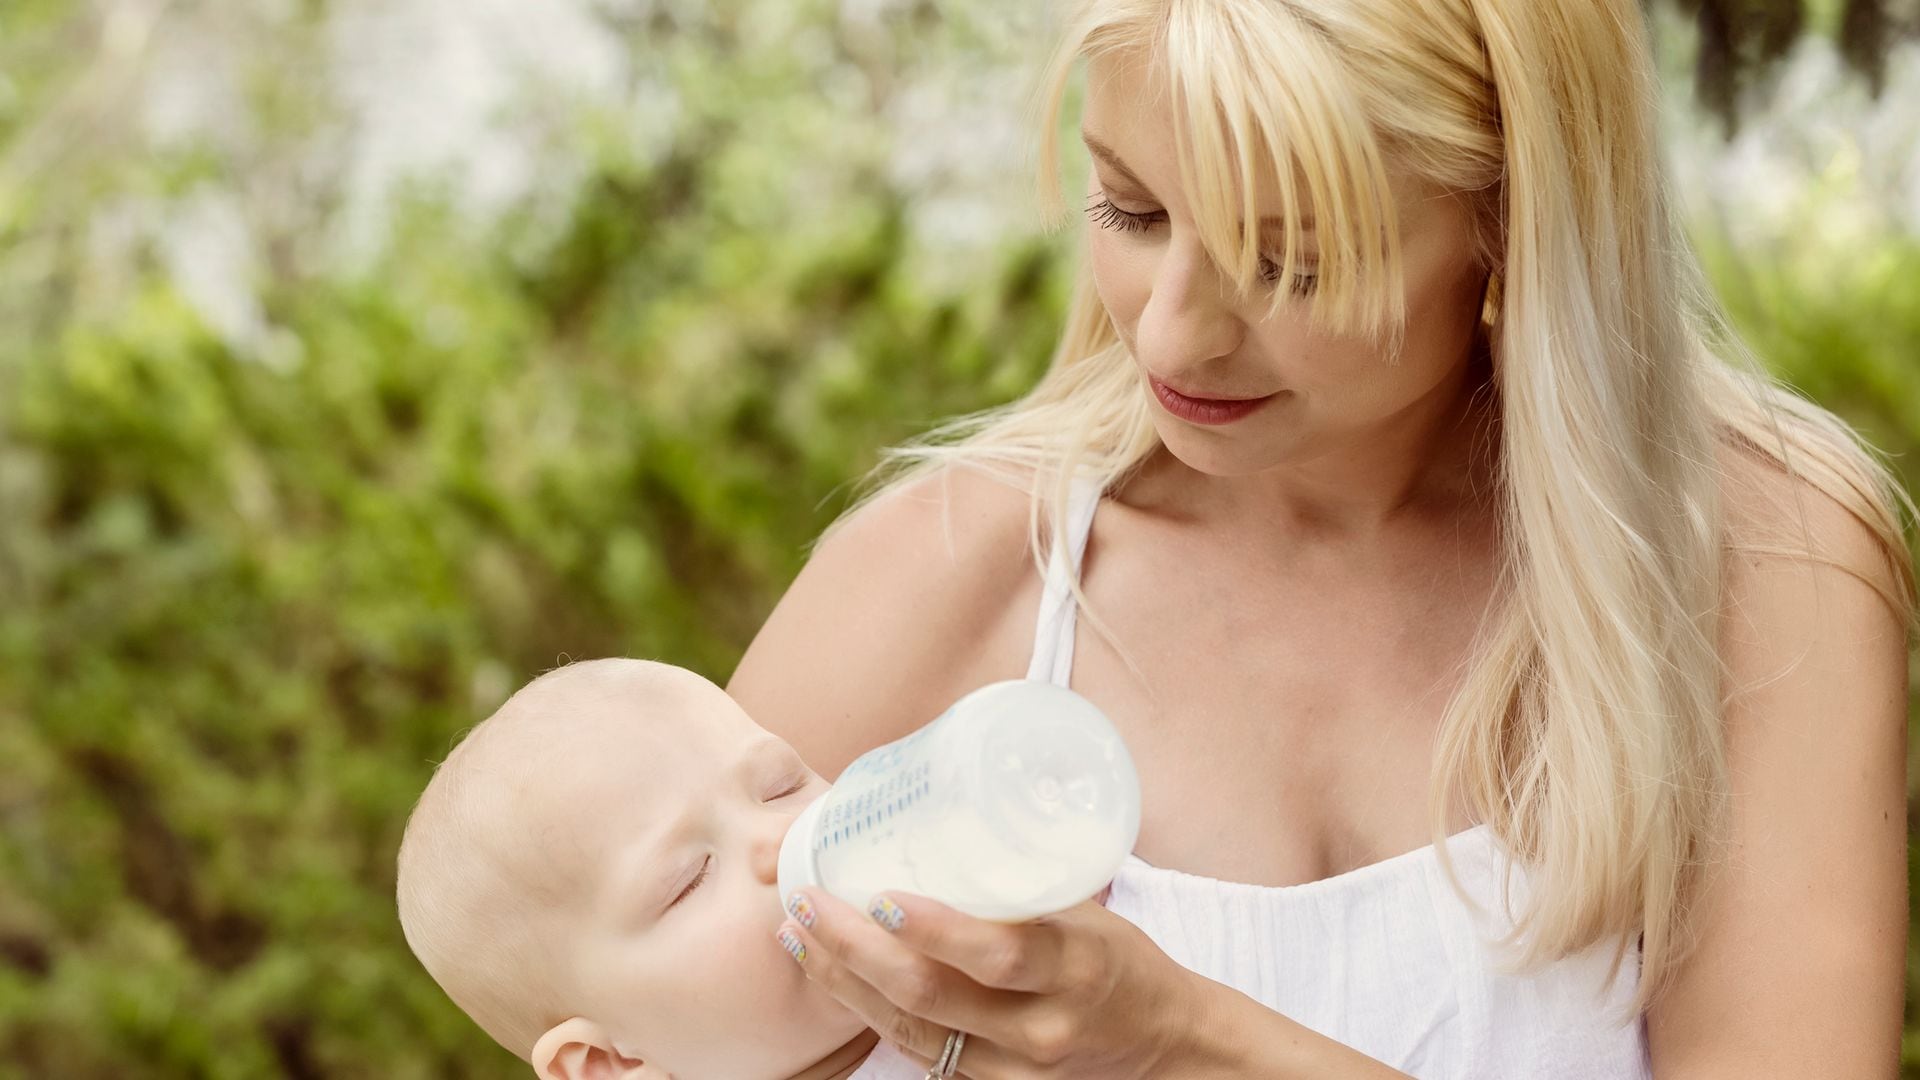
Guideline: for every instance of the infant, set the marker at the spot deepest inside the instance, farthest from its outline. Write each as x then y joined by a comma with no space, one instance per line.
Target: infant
590,876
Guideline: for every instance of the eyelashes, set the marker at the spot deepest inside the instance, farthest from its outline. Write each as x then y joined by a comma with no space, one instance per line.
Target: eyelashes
695,883
1108,216
797,787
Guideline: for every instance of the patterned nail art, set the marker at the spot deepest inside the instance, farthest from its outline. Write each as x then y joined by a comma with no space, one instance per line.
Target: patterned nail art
887,913
791,942
800,909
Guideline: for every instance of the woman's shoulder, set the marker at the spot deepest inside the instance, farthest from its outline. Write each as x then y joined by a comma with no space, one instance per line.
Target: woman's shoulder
923,593
1824,513
1813,558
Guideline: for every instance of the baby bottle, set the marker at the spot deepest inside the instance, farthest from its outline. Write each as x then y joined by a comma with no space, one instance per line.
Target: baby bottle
1020,800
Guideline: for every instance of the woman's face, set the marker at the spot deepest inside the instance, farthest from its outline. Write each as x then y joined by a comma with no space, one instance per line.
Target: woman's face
1177,314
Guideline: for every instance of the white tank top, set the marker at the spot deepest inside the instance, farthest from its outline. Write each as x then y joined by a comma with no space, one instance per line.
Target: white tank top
1387,958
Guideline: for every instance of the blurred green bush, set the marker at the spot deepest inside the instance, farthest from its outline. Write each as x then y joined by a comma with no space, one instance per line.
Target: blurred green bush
247,598
248,606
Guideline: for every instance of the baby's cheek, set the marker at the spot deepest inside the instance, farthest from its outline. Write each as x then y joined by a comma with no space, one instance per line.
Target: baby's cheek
782,994
740,952
785,1021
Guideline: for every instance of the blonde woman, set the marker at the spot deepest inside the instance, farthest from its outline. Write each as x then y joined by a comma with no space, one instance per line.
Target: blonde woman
1516,676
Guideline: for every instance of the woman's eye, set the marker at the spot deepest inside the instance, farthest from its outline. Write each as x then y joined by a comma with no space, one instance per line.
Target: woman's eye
1303,282
1109,216
695,883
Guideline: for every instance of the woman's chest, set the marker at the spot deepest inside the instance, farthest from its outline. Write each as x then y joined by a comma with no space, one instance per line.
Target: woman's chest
1283,723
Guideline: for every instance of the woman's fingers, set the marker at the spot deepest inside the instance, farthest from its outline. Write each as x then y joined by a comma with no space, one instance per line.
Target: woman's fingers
1079,993
895,1026
1030,957
911,999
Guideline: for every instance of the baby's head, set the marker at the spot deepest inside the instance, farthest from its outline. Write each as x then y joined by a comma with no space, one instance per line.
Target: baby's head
590,875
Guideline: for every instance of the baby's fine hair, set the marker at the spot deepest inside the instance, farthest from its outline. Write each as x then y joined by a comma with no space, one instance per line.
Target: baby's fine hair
473,894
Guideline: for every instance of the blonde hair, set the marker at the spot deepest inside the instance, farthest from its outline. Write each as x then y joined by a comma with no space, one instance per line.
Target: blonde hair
1587,733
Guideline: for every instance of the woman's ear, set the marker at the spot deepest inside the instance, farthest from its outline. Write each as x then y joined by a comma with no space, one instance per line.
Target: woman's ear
579,1049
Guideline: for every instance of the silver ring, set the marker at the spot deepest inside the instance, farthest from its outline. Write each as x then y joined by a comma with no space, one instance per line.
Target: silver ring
949,1056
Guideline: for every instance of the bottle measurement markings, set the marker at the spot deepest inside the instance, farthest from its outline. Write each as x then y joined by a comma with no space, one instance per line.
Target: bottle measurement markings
875,807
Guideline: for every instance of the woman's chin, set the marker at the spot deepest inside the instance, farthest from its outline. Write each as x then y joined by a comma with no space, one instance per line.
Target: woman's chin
1223,452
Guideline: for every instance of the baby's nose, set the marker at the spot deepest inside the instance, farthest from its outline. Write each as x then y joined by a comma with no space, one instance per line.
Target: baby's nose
764,848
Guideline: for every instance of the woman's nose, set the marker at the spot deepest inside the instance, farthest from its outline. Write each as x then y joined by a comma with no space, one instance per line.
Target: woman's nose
1190,315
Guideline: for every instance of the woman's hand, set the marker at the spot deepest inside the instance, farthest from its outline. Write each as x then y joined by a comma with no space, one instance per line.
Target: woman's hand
1082,993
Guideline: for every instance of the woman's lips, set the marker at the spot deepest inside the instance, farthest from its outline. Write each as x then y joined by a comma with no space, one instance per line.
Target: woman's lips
1204,410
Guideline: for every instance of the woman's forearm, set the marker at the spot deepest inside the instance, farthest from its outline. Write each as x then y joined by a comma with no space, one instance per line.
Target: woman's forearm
1237,1038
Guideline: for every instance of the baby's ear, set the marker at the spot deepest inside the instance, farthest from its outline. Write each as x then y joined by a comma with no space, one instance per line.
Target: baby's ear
579,1049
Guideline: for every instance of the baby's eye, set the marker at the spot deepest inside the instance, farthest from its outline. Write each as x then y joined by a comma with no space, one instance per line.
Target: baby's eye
797,787
695,883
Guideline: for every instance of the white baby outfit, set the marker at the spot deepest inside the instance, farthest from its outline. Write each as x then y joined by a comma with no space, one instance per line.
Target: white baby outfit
1386,958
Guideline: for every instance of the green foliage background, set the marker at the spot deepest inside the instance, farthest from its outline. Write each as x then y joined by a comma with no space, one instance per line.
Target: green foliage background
249,594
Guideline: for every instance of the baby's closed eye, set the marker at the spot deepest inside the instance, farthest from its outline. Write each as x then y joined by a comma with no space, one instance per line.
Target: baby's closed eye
695,883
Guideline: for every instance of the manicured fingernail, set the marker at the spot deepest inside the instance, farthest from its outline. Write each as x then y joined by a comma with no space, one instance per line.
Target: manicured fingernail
800,909
791,942
887,913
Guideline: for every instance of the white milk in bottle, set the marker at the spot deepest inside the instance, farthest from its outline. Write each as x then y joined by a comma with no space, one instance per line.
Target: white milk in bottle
1020,800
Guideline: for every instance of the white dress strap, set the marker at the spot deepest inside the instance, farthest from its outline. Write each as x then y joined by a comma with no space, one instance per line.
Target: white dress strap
1053,628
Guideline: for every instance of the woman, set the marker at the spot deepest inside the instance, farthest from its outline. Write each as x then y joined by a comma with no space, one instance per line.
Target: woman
1458,584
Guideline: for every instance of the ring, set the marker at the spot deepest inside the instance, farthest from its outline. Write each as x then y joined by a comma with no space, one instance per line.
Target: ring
949,1056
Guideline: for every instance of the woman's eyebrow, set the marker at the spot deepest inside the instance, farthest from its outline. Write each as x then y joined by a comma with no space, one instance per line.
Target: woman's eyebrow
1105,153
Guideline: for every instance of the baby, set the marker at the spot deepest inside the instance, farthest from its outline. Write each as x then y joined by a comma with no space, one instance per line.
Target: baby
590,875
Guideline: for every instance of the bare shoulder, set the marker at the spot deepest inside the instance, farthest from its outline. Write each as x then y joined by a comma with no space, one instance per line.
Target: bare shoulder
1801,928
1812,599
1774,521
924,593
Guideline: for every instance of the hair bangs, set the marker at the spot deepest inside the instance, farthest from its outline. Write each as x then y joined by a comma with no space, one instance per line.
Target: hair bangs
1281,111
